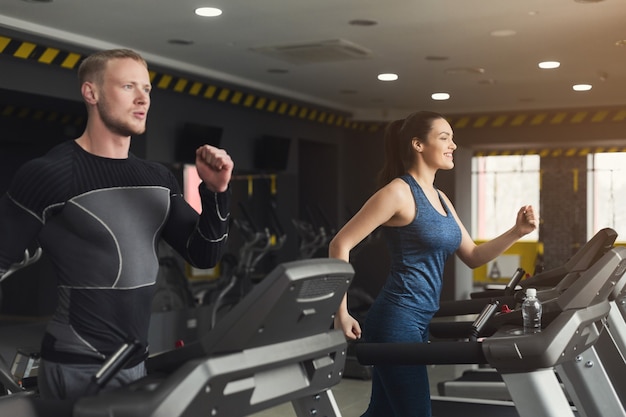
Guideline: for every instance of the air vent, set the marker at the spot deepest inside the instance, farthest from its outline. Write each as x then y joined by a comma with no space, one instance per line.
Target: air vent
465,70
314,52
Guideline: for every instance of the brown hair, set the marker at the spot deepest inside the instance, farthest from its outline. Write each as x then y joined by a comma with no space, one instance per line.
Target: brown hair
399,135
92,68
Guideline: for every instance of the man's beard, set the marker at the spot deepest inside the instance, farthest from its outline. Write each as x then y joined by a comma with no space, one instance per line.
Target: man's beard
116,125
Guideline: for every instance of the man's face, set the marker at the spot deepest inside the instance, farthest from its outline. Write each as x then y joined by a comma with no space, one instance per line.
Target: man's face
124,97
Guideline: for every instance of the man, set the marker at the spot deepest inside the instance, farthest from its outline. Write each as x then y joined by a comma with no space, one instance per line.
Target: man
98,212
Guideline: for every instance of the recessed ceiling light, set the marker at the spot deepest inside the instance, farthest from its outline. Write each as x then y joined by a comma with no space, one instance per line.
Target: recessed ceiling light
503,33
581,87
363,22
208,11
387,77
440,96
549,64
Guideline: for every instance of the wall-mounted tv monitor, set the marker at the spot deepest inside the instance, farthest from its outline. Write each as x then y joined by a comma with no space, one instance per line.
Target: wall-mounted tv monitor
191,137
271,153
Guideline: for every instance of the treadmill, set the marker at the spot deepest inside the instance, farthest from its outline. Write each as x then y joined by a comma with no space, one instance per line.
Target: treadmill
594,381
486,383
573,321
275,346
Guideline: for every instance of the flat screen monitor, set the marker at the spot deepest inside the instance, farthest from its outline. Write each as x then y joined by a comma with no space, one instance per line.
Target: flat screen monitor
191,137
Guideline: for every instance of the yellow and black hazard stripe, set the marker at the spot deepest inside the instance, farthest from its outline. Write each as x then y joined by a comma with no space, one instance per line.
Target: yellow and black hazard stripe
542,119
39,115
206,90
553,152
256,101
212,91
531,119
39,53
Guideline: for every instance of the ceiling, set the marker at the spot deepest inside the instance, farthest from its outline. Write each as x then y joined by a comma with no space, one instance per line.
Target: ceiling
433,46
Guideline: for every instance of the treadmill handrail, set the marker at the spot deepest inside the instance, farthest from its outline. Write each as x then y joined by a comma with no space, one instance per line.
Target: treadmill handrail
430,353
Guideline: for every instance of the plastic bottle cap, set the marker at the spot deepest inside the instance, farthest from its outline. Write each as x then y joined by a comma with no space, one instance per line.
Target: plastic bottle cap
531,292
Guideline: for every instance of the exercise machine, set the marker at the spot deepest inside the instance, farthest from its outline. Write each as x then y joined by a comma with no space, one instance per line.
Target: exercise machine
275,346
485,383
551,279
594,380
572,323
238,280
315,233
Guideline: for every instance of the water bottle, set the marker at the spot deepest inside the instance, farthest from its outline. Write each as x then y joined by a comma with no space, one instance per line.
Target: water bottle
531,312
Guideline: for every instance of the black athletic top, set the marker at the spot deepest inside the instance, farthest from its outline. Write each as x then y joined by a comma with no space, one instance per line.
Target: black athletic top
99,220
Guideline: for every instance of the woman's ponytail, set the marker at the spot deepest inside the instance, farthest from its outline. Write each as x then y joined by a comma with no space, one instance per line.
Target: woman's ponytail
392,165
399,134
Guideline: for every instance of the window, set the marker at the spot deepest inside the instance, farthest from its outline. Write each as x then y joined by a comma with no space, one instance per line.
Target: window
606,193
191,182
500,186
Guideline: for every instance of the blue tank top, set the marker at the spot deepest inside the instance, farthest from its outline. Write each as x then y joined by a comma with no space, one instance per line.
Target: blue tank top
419,252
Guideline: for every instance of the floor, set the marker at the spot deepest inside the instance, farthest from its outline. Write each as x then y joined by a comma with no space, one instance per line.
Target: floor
352,395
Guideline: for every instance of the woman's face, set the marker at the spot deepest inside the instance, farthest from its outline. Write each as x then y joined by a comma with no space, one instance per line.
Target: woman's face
437,150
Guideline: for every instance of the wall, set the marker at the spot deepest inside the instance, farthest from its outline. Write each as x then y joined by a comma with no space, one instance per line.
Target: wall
462,200
361,159
563,204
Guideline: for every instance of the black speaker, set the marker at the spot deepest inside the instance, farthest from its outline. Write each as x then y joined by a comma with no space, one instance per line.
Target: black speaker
271,153
191,137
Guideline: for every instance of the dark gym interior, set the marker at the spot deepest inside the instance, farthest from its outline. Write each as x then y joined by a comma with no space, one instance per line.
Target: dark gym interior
298,178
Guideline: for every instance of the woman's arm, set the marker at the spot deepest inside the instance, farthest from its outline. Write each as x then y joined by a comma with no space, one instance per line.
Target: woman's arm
474,255
392,205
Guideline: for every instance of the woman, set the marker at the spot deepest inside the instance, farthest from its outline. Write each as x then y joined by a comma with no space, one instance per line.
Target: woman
422,230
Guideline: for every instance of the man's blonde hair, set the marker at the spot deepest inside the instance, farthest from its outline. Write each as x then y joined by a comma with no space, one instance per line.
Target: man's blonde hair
92,68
